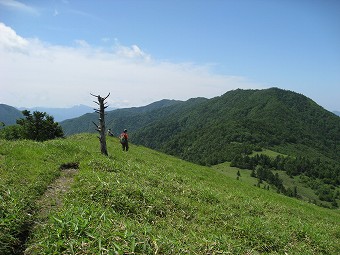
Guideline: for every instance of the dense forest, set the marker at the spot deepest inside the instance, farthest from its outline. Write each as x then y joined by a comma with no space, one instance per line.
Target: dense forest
241,121
322,176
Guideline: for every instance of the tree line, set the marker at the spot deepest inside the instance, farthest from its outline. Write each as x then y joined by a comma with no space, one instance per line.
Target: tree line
321,175
38,126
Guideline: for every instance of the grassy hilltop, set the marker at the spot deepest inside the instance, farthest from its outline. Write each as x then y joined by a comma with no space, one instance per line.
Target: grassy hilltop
146,202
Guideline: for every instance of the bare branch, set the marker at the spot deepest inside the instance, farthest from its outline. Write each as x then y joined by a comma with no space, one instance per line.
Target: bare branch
93,95
107,96
95,124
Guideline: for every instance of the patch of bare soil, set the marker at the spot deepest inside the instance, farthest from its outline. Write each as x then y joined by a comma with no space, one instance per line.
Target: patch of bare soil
51,200
53,196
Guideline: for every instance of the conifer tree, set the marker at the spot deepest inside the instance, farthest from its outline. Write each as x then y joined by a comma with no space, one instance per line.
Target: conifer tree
39,126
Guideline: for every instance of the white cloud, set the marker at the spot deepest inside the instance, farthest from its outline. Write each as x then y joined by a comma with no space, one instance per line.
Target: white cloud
82,43
34,73
9,40
133,52
18,6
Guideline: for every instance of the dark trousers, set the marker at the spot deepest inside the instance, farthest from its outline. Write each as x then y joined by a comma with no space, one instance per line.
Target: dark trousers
125,146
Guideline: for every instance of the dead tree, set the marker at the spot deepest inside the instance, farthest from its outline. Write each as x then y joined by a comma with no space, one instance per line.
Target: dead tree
101,127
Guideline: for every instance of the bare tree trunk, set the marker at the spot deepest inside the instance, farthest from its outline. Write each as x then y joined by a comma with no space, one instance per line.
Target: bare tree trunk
101,127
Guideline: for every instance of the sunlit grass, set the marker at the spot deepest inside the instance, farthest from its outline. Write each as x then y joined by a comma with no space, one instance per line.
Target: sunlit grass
145,202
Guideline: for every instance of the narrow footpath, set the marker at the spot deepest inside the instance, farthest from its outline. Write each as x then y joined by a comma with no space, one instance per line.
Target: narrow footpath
53,196
52,199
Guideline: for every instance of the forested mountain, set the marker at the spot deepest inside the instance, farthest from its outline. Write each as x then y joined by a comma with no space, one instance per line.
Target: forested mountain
211,131
242,120
231,127
132,118
9,114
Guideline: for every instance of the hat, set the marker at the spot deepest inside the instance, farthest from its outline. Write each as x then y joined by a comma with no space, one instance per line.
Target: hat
125,130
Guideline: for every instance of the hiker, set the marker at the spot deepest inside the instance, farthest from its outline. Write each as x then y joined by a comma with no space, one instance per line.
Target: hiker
124,140
109,132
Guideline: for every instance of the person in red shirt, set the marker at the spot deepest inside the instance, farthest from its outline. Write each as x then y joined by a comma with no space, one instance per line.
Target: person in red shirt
124,140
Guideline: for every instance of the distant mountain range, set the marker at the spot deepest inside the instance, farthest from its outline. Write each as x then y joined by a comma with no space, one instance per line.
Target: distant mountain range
9,114
61,114
133,118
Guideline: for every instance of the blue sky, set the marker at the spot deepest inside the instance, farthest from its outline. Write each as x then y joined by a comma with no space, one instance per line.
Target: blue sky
56,52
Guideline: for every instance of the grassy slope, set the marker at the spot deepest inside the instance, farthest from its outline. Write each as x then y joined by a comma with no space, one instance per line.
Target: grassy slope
304,192
145,202
26,170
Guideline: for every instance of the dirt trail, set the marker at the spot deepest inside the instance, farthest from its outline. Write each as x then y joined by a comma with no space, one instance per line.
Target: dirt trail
53,196
51,200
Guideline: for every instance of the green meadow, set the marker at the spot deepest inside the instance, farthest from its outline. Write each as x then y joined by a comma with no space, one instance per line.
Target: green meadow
299,183
146,202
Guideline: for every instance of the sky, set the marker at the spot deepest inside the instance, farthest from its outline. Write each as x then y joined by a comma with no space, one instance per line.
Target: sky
54,53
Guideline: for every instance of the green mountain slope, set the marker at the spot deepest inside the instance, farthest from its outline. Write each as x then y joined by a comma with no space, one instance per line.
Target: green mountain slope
119,119
145,202
9,114
242,120
212,131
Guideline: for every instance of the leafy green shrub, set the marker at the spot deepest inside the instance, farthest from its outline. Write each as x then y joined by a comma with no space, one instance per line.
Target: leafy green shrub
13,132
39,126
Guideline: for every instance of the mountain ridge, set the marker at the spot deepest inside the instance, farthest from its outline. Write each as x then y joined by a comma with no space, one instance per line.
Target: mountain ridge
270,117
133,118
262,117
9,114
61,114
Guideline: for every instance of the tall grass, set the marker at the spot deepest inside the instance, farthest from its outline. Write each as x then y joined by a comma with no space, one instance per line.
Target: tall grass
145,202
26,170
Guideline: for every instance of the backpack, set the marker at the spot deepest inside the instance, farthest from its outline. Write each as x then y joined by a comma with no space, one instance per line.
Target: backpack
122,138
